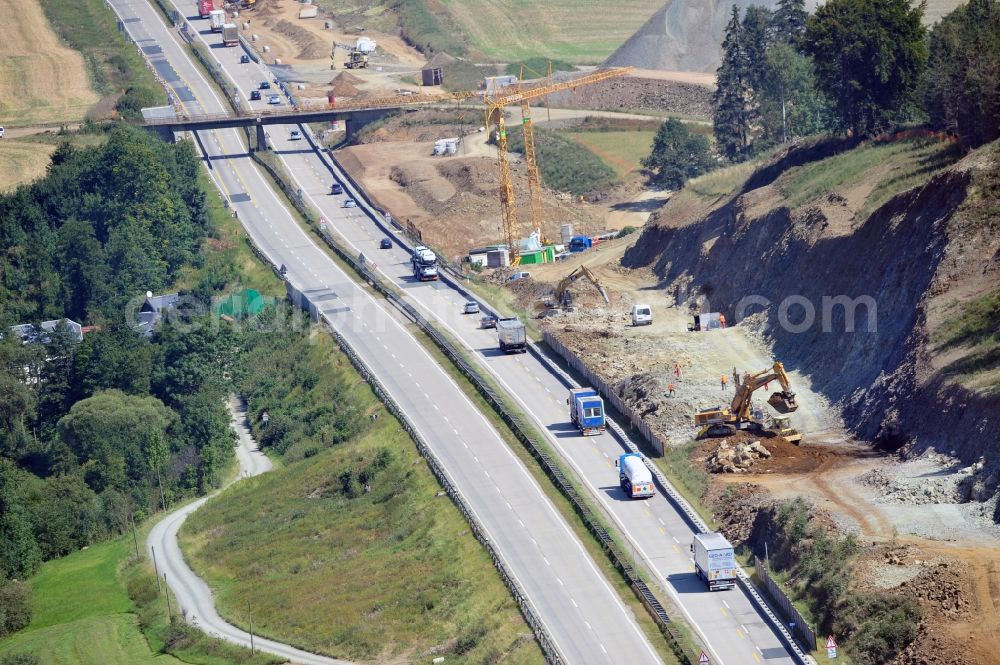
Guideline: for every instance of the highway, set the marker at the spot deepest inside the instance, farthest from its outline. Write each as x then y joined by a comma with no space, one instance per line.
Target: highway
728,623
579,610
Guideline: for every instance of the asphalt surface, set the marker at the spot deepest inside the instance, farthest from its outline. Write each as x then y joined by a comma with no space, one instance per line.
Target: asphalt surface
191,592
578,608
729,623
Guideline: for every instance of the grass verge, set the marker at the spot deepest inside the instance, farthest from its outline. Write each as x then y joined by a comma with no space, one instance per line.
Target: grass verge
366,558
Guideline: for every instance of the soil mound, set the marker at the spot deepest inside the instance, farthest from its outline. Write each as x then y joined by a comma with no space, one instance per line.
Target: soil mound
310,46
343,85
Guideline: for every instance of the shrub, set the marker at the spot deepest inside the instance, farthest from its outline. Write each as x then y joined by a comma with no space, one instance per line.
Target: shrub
15,607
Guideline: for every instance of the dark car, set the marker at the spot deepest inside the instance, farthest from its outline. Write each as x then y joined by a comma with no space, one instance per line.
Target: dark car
335,188
265,85
255,95
385,244
244,59
488,322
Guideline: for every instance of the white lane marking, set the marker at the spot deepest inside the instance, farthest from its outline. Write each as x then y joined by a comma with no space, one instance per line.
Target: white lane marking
726,604
546,561
662,523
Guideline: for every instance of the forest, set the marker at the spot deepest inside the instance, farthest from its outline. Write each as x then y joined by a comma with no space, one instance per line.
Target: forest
98,433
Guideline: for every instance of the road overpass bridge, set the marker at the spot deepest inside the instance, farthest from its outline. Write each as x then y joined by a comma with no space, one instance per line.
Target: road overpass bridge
354,119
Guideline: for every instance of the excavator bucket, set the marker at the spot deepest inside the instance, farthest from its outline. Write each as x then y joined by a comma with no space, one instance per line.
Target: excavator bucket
783,402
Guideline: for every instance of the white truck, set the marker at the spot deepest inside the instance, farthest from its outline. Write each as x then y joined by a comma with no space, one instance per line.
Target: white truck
634,476
424,264
230,35
714,560
217,19
512,337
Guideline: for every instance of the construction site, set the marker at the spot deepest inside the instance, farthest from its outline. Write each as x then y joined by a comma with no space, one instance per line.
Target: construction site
881,418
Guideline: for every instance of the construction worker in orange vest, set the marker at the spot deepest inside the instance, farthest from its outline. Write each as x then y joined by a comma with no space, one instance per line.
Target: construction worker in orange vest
725,382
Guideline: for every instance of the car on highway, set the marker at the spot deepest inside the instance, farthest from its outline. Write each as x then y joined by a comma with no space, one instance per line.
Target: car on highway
1,132
488,322
294,135
255,95
350,203
385,244
274,99
244,59
471,307
265,85
336,188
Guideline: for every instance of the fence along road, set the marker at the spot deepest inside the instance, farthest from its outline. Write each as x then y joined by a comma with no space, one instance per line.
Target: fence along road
575,605
735,626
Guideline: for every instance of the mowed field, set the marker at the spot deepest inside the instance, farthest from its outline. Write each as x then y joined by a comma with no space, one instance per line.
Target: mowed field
580,31
82,616
41,80
22,162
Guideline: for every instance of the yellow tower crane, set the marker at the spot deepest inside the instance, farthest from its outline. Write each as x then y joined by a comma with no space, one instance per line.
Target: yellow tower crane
495,106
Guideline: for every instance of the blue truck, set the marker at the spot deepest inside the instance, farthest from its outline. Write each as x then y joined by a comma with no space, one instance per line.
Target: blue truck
580,243
586,410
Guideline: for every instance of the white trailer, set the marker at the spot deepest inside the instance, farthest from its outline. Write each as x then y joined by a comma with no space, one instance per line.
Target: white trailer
714,560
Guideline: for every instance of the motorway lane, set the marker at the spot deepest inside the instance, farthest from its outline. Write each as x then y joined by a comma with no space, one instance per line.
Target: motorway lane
729,623
580,611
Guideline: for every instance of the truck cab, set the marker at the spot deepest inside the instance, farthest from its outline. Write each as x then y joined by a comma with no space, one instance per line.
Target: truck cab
586,411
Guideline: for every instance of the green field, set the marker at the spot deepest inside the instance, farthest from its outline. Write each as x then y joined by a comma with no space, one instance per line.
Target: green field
82,614
622,151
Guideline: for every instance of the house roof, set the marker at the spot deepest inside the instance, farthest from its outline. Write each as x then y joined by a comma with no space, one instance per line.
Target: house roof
29,333
160,303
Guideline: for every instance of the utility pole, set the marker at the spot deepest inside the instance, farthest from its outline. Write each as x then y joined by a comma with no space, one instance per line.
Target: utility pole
135,539
170,615
250,614
156,571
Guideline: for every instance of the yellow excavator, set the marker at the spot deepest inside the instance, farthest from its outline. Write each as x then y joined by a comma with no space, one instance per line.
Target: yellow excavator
562,296
722,421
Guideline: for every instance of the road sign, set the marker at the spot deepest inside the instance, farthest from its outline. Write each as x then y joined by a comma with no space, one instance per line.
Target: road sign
703,659
831,654
831,643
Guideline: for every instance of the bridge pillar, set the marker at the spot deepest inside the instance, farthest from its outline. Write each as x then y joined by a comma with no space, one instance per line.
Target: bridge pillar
261,137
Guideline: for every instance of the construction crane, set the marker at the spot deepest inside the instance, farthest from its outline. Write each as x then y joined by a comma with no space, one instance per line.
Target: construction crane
720,421
562,295
521,96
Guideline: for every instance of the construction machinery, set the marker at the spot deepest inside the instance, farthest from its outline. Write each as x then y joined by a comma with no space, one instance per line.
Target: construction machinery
357,55
495,107
562,297
741,414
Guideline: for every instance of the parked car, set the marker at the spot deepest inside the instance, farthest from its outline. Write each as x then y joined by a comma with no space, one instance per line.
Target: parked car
488,322
1,132
472,307
265,85
335,188
518,275
274,99
244,59
255,95
350,203
294,135
385,244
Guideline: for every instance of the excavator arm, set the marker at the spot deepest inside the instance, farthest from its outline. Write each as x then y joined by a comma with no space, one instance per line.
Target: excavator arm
783,401
582,271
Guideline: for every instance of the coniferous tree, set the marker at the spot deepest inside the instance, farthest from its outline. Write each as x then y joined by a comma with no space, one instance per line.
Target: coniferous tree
733,114
962,94
677,155
788,22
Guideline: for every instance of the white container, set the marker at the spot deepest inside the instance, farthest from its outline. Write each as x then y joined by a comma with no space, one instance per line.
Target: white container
565,233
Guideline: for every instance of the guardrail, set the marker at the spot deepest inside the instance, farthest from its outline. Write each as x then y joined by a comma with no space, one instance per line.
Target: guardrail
683,507
518,426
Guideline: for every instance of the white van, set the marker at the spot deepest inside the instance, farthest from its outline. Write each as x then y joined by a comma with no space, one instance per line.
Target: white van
642,315
518,275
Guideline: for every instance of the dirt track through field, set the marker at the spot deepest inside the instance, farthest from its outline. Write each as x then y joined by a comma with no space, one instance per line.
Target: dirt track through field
41,80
